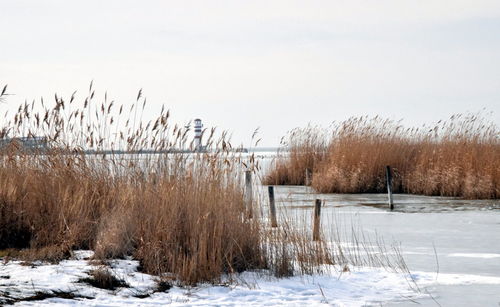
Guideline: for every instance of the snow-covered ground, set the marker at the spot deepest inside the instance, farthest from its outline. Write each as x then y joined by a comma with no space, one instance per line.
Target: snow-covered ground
359,287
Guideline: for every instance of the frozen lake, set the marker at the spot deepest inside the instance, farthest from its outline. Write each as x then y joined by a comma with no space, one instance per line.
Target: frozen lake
437,234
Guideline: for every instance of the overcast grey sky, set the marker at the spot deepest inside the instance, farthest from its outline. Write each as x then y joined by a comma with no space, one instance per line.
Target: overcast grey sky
276,65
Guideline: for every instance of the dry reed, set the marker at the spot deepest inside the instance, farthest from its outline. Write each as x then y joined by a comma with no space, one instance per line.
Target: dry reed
305,148
177,213
459,157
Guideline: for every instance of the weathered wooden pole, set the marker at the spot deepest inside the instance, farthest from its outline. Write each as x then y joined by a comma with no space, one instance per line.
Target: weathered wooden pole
308,177
388,176
317,219
272,206
248,193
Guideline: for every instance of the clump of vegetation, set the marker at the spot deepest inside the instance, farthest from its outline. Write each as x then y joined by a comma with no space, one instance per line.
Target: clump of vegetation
103,278
305,149
175,212
163,286
6,299
458,157
52,253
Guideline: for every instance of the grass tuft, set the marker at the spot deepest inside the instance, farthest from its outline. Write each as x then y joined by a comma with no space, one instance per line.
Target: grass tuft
103,278
40,296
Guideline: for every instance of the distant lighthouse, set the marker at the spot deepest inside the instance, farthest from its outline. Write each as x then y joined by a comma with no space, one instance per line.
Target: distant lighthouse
197,134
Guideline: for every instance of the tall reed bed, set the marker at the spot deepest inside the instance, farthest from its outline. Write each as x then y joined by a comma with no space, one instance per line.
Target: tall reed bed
305,149
457,157
177,213
183,216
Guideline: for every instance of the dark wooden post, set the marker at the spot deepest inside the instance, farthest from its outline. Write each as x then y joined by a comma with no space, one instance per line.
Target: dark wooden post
317,219
388,176
248,193
307,181
272,207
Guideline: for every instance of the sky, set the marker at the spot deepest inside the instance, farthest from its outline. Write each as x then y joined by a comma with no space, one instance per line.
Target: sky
272,65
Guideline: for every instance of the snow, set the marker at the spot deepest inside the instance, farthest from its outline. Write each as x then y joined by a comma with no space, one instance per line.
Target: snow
454,279
359,287
475,255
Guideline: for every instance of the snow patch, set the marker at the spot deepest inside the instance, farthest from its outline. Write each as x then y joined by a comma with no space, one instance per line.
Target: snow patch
425,278
359,287
475,255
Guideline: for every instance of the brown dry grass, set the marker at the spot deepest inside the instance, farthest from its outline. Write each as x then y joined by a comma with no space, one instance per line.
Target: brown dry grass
458,157
103,278
305,149
175,212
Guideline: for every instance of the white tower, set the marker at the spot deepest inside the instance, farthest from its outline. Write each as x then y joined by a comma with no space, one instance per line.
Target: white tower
197,134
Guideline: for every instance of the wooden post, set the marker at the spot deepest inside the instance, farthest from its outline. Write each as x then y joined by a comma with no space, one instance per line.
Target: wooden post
308,177
248,193
388,176
272,207
317,219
